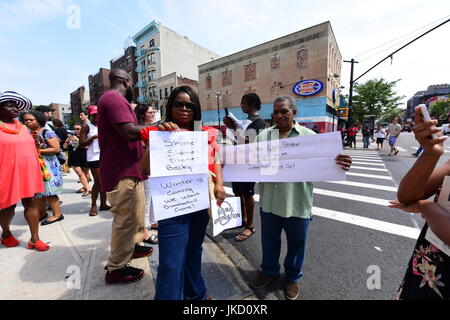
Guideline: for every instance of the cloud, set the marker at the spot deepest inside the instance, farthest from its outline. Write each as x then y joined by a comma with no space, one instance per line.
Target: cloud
19,13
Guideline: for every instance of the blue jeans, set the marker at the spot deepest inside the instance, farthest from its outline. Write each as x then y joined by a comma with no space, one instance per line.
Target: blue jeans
180,257
366,141
296,233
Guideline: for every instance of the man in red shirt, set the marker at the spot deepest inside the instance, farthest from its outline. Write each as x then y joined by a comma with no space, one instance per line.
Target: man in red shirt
352,132
121,151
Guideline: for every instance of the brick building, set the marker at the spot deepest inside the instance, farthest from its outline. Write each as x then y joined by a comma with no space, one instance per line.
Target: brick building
79,101
98,84
276,68
128,63
430,96
62,112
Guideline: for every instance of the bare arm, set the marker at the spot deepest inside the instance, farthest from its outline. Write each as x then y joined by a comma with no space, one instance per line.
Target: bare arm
145,163
129,131
84,140
423,179
53,148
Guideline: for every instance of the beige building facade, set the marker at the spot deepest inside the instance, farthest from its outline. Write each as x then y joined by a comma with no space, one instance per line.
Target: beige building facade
276,68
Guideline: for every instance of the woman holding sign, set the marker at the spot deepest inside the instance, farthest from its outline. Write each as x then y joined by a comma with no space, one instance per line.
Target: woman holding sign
181,238
428,274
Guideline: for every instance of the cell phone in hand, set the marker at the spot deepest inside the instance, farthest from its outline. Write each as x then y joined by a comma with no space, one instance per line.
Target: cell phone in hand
426,117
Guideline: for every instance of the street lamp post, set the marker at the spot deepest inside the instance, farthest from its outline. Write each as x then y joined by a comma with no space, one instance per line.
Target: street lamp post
218,95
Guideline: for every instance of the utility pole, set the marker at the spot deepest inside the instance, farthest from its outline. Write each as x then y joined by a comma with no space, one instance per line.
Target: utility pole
218,95
350,97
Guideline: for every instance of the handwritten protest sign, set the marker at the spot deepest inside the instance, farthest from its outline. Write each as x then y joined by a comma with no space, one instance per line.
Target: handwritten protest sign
227,216
176,196
300,159
178,153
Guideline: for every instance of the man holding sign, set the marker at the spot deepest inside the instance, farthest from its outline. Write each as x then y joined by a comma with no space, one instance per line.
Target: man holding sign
286,206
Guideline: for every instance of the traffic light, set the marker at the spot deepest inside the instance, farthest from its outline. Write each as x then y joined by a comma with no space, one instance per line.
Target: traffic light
342,112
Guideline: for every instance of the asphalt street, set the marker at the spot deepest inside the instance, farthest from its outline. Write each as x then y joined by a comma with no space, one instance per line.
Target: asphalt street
353,231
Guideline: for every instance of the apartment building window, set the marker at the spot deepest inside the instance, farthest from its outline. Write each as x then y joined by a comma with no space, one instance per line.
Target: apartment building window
154,92
152,58
152,75
227,100
302,58
152,43
226,78
208,82
166,92
171,89
160,95
250,72
145,94
275,62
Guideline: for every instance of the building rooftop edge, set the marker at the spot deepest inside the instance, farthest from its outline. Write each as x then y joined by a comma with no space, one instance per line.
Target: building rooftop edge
264,43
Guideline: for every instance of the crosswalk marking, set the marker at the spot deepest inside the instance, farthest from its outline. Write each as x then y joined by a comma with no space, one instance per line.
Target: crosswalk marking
367,160
366,157
364,185
368,163
414,148
401,149
353,197
370,169
369,176
373,224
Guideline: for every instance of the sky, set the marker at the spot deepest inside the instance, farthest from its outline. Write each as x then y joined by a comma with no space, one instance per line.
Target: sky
46,52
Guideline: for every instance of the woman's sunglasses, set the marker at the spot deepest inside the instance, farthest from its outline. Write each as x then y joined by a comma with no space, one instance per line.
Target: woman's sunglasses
189,106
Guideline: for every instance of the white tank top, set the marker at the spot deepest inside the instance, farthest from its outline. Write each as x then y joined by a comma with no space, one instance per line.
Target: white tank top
93,151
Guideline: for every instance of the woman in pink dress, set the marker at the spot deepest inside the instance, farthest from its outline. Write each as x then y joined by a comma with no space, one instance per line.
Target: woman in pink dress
20,171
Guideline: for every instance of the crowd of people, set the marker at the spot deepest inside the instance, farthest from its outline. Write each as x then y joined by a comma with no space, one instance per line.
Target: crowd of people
111,145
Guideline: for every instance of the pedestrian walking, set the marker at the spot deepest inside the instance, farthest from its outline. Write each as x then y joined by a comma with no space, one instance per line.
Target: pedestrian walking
366,137
352,132
250,104
20,175
381,136
181,238
77,159
121,178
393,132
286,206
89,140
428,273
48,146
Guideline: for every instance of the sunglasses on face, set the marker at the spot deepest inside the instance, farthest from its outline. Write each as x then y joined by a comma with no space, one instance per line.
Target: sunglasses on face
189,106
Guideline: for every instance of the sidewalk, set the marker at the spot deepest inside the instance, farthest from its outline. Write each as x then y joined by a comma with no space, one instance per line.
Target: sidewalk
79,251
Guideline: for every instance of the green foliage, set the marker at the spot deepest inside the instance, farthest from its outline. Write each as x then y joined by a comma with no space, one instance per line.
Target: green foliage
391,114
376,97
440,109
73,120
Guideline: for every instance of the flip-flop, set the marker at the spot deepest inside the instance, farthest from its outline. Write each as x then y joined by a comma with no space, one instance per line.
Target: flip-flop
242,236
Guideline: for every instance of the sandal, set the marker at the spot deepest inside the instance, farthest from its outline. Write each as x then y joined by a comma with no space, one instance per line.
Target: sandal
86,193
242,236
39,246
82,190
152,240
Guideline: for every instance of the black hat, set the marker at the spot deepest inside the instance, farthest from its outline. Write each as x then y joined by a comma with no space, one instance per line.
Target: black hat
44,109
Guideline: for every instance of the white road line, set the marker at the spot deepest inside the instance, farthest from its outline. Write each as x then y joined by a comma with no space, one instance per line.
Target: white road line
353,174
364,154
414,148
401,149
367,157
368,163
370,169
368,160
353,197
364,185
373,224
364,222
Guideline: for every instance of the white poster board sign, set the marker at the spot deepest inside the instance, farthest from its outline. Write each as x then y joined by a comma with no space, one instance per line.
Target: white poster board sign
178,153
300,159
180,195
444,202
227,216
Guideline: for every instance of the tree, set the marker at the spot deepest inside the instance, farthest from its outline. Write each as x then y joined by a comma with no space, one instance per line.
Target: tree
376,97
440,109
